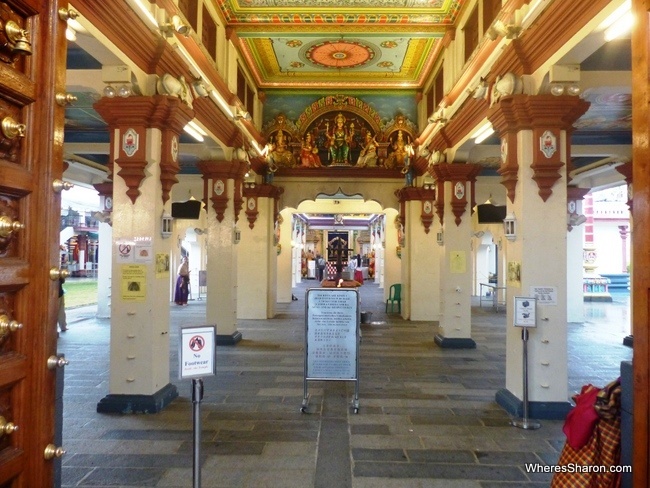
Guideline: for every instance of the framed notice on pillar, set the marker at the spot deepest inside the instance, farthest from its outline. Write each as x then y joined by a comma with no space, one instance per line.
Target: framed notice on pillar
525,308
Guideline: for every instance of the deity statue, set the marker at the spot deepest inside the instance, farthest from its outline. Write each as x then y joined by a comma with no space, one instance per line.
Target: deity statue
368,155
339,141
399,152
279,154
309,153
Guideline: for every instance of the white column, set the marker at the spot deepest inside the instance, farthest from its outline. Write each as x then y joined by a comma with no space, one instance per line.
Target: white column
455,327
257,262
285,258
139,325
420,261
221,272
392,264
104,270
538,257
574,272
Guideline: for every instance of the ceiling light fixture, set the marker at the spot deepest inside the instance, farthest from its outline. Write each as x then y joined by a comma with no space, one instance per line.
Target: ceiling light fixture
176,25
193,132
482,133
620,27
142,9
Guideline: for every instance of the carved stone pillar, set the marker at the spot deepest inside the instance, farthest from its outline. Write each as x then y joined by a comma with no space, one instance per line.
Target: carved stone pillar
454,206
419,254
257,267
144,136
223,182
535,148
105,250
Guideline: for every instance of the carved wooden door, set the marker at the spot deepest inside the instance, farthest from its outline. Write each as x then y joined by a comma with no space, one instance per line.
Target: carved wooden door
32,73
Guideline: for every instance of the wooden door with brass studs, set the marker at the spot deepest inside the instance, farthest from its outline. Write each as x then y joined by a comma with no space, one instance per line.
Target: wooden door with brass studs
32,108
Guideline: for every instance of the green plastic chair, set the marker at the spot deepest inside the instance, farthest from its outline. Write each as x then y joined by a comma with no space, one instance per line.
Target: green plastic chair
394,296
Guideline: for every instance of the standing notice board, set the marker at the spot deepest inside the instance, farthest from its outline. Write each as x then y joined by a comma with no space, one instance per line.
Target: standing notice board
332,338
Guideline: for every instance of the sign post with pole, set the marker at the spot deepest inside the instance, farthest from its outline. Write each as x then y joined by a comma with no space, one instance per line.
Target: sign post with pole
525,317
197,358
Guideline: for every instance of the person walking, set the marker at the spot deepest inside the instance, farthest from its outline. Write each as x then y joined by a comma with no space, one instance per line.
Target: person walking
320,267
182,290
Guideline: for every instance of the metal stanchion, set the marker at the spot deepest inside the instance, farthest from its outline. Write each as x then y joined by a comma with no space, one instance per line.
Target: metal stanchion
525,422
197,396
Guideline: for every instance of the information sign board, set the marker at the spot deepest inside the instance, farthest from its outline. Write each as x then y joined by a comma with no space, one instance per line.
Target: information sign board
332,334
197,352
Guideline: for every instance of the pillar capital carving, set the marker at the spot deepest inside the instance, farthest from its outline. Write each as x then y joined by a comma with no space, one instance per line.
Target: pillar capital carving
546,116
131,117
219,172
459,175
252,192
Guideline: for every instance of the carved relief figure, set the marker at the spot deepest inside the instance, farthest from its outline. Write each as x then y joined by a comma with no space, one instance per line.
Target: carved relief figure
368,155
309,153
399,151
280,154
339,141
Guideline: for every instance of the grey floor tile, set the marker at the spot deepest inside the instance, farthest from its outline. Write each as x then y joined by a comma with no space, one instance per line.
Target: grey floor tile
427,418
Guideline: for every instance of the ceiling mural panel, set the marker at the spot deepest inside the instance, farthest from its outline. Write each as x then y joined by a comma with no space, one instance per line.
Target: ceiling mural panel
340,43
393,60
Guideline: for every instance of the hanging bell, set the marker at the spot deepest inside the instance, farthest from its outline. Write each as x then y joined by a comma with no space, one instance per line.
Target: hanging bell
23,46
18,39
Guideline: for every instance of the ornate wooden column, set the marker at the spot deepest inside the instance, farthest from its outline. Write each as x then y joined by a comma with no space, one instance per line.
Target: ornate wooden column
223,196
535,134
454,204
144,136
640,256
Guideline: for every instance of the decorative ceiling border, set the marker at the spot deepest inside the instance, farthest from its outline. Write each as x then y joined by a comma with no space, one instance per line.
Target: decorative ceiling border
440,12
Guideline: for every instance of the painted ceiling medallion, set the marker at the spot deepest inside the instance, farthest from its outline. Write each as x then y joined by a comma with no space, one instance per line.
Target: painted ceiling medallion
340,54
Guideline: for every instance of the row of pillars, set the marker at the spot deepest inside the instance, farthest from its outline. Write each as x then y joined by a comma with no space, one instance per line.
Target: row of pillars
144,139
535,156
535,148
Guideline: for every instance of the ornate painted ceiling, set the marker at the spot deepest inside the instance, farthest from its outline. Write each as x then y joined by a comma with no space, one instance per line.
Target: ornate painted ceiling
343,44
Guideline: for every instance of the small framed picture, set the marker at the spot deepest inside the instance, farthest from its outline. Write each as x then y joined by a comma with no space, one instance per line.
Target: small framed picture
525,312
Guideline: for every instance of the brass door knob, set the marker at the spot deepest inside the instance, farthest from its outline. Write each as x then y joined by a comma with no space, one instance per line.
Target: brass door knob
59,185
67,14
7,325
64,99
7,427
11,128
51,452
56,362
7,226
56,273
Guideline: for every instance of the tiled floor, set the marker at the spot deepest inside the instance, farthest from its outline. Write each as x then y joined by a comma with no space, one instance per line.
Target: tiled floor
427,416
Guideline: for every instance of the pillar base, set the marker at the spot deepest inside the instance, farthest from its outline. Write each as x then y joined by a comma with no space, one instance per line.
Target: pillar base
454,342
536,410
628,341
138,403
229,339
